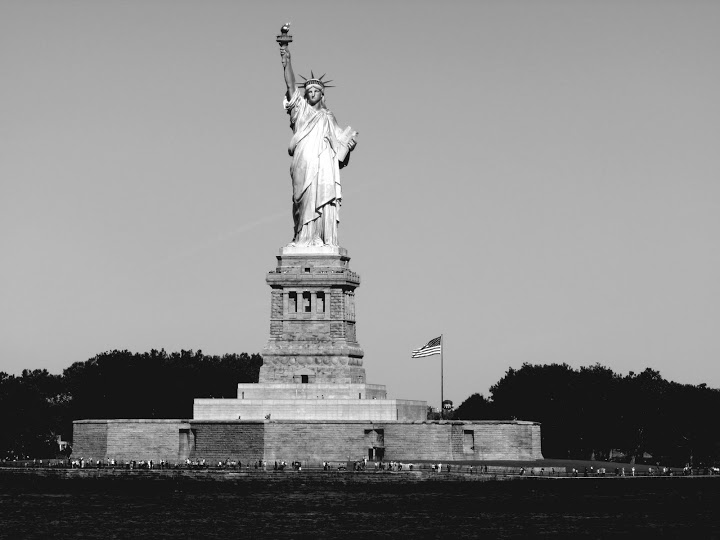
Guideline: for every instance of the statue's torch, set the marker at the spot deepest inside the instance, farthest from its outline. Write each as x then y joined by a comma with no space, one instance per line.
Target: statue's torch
284,39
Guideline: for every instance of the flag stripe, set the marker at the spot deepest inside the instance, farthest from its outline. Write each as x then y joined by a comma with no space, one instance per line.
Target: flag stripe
434,346
426,352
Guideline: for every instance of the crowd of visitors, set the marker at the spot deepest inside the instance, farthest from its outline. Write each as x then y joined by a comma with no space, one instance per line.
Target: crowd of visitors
362,465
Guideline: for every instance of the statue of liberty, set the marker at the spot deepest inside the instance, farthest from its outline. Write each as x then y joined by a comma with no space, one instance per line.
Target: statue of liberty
319,148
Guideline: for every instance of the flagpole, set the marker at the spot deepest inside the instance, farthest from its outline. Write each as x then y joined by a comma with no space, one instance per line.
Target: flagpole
442,385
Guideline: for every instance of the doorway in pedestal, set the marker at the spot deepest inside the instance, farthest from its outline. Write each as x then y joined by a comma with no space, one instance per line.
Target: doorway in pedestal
186,443
376,453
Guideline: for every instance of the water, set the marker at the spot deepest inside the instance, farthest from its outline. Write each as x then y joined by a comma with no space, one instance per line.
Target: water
143,509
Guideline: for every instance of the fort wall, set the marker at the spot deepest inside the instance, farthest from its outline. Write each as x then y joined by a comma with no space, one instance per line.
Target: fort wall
307,441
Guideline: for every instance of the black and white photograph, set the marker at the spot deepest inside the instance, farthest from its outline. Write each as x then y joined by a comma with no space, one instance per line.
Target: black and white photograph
335,269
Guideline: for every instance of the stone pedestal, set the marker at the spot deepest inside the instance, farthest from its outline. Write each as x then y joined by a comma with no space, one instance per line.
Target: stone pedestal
312,319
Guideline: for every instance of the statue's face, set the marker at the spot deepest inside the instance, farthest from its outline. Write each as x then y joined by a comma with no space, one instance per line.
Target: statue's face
313,95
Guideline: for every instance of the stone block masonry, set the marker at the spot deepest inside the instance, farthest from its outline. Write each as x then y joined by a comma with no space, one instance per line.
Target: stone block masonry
132,439
217,441
309,409
312,319
311,391
444,440
310,442
90,439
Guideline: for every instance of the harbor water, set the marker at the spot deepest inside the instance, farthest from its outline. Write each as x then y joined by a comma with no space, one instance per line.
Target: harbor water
306,507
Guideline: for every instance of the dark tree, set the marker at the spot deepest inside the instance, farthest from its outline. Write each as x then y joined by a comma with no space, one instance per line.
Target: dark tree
476,407
120,384
32,413
595,413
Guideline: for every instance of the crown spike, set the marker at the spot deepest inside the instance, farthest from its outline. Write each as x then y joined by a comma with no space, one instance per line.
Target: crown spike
316,81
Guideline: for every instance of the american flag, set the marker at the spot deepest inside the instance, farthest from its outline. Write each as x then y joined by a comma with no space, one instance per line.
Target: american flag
433,346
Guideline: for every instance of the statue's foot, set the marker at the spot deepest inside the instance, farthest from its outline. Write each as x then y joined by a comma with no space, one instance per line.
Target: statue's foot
291,244
316,242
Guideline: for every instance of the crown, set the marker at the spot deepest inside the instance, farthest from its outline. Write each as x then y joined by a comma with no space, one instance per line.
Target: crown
315,81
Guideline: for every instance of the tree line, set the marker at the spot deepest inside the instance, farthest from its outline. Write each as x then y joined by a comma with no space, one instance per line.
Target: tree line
594,413
586,413
37,406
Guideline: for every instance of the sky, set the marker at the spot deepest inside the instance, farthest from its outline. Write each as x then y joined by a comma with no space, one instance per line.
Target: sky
538,181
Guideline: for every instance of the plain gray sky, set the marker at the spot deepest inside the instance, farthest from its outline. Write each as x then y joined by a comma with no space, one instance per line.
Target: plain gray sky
536,180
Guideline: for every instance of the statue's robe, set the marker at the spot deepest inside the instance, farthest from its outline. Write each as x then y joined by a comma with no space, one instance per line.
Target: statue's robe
315,171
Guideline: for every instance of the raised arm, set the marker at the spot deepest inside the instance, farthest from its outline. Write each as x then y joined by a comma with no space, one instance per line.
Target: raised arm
289,74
